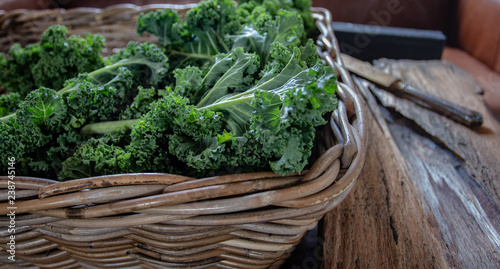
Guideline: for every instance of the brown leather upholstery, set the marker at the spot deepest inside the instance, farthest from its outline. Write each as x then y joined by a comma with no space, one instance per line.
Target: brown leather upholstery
421,14
488,79
23,4
479,30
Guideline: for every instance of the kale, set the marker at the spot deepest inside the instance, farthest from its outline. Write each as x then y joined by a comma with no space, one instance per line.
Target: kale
246,117
46,128
228,89
204,31
9,103
50,62
260,8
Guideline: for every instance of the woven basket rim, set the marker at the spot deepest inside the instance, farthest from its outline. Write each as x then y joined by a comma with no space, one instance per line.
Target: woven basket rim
41,12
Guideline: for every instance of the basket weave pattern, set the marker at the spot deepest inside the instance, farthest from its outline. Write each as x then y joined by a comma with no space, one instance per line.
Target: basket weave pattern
170,221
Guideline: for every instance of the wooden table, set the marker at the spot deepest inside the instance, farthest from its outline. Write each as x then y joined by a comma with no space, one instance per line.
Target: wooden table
429,193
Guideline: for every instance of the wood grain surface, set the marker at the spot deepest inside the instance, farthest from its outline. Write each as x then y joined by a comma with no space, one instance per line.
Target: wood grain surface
429,194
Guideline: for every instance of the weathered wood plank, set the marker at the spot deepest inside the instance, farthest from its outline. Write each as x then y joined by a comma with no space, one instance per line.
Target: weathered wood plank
381,223
479,148
463,217
418,204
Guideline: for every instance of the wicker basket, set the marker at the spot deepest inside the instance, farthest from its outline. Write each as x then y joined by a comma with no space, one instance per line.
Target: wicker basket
250,220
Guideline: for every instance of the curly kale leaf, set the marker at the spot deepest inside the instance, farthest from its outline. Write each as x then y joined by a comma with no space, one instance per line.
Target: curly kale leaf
43,107
42,104
257,8
230,73
269,122
36,134
284,121
211,22
106,93
287,28
96,156
285,64
146,62
173,114
47,161
144,98
18,138
15,68
92,103
193,136
204,156
163,24
171,118
64,58
188,82
284,70
204,31
9,103
50,62
282,109
309,53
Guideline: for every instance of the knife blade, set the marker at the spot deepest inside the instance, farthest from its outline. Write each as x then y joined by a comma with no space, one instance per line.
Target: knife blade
398,87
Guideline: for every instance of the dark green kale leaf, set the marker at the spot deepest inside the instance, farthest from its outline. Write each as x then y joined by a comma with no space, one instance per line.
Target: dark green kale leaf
204,31
17,139
287,28
15,68
96,156
144,98
146,62
9,103
188,83
269,122
93,103
256,8
47,161
211,22
44,108
53,120
283,109
171,116
230,73
284,121
50,62
242,90
163,24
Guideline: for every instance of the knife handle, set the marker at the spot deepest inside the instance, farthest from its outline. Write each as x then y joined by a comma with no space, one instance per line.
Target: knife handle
455,112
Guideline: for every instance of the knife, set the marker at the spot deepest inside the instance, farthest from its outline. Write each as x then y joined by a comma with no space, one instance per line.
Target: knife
396,86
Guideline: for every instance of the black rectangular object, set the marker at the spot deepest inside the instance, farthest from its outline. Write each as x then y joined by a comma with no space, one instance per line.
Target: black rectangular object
369,42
